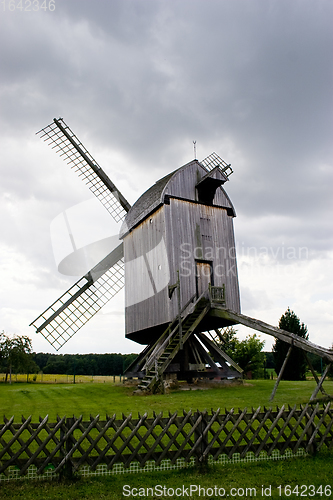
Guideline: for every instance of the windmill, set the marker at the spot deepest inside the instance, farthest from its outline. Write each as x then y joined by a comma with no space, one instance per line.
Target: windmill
178,260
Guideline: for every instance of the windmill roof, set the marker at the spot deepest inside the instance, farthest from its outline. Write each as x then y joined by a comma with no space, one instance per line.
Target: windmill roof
146,204
155,195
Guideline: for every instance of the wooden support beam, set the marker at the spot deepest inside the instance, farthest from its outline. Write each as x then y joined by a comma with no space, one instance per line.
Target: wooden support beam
320,383
220,336
281,373
195,351
217,350
313,372
205,355
289,338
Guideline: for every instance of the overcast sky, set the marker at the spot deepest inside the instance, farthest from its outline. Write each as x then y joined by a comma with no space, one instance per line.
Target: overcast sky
138,81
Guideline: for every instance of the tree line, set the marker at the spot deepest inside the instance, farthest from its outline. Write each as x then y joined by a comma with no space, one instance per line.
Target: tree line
16,356
83,364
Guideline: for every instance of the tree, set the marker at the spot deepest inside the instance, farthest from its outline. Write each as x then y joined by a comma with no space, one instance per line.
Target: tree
295,368
15,353
246,353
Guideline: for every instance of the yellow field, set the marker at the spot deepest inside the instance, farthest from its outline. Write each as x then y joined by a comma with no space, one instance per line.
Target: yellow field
62,379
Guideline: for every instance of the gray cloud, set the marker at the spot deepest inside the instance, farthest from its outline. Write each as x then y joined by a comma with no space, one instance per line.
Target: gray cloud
139,81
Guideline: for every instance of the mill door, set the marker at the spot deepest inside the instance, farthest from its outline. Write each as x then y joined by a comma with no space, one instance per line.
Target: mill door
203,276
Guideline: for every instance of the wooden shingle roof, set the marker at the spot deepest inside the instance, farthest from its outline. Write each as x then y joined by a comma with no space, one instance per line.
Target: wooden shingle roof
173,184
147,203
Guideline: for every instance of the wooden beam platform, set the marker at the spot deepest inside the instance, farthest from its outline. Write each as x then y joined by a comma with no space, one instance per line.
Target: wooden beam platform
290,338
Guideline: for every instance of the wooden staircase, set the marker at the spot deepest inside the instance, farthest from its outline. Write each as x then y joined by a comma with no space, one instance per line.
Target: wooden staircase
166,348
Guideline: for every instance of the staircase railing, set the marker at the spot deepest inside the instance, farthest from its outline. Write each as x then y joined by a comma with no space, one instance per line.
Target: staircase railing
217,294
170,328
160,359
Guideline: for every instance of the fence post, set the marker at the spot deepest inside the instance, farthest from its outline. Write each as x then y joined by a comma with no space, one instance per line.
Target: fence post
312,449
67,471
201,461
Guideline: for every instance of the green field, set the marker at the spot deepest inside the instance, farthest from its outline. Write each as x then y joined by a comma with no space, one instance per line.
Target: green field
38,399
302,472
45,378
107,398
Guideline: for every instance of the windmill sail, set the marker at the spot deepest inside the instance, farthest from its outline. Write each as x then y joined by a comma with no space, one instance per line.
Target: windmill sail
213,160
61,138
82,301
90,293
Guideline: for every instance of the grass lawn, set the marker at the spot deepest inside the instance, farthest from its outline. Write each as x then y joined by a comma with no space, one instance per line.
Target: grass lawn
47,378
260,480
248,479
86,398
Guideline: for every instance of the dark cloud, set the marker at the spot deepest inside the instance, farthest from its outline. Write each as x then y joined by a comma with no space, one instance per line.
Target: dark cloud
139,80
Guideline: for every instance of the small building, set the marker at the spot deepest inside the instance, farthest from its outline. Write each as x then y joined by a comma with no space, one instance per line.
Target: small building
182,227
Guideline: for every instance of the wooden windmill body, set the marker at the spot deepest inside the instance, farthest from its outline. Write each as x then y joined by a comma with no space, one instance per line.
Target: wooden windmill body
178,258
176,228
180,231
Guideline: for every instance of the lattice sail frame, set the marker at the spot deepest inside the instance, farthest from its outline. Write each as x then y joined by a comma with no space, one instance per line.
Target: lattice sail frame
89,294
213,160
61,138
80,303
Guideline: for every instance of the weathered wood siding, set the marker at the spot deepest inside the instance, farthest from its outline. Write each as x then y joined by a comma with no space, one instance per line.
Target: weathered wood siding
147,274
178,235
198,233
182,185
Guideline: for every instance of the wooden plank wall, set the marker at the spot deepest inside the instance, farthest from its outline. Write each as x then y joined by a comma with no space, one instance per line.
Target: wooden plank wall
158,246
188,244
147,274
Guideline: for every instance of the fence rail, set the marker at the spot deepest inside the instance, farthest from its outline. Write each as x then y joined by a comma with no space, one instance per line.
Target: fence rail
217,294
69,443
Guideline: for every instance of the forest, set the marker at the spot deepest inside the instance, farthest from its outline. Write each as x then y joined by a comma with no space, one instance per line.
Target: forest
114,364
83,364
17,356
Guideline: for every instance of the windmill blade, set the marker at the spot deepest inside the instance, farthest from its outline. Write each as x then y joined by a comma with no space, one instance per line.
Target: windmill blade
82,301
64,141
213,160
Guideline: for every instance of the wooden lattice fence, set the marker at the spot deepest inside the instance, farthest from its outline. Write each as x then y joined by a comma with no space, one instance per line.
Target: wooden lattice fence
69,443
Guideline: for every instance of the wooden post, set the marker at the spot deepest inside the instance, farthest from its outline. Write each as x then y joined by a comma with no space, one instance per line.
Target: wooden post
310,414
314,373
280,374
201,459
172,288
320,383
66,472
179,313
